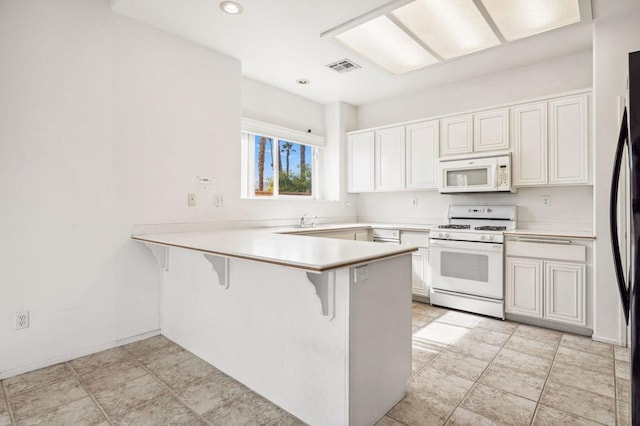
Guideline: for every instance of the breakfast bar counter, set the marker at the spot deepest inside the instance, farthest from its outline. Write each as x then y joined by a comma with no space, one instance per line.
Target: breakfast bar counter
298,319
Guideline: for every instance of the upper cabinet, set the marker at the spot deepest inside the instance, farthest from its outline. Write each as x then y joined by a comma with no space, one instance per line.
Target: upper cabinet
457,135
422,140
390,159
479,132
551,142
360,162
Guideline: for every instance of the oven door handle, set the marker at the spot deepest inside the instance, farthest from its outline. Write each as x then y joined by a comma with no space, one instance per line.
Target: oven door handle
466,245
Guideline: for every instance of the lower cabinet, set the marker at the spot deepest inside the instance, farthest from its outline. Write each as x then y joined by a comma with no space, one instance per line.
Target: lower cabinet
546,289
420,273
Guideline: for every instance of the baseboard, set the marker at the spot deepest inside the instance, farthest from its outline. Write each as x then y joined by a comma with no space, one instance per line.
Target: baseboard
606,340
575,329
68,357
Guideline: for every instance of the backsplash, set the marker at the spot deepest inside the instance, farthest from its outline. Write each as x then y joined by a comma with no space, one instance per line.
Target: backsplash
570,207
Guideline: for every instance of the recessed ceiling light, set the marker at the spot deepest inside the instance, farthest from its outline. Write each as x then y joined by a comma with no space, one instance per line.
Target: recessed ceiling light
303,81
231,7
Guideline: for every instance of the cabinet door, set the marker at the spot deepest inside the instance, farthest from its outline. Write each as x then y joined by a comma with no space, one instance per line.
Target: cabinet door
564,288
457,135
568,140
422,154
390,159
523,291
491,130
419,273
530,144
364,235
360,166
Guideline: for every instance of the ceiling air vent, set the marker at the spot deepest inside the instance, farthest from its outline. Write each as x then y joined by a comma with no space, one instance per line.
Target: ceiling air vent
344,65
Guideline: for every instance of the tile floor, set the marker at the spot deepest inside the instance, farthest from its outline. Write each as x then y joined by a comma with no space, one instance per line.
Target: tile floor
467,370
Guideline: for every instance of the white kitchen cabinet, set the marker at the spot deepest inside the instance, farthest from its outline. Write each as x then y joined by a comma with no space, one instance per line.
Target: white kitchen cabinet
457,135
568,140
564,290
364,235
546,279
390,159
530,144
360,160
420,282
524,286
491,130
422,140
551,142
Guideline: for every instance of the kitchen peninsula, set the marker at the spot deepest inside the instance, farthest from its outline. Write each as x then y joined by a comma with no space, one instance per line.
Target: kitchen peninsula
298,319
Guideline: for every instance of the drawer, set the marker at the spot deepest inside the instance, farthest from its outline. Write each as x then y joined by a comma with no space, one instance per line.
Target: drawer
557,250
386,233
420,239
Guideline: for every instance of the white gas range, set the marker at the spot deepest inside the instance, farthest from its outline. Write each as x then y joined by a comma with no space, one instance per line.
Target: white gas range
466,259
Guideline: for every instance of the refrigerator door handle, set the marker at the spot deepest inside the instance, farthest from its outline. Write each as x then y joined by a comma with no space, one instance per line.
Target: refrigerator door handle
613,217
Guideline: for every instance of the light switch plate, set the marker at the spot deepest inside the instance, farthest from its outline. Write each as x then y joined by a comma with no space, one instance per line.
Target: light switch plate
360,273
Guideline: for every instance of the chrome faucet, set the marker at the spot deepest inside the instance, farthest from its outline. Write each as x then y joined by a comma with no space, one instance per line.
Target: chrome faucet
304,223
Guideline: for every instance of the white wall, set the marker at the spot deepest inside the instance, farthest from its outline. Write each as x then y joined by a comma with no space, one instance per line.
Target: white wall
614,38
546,78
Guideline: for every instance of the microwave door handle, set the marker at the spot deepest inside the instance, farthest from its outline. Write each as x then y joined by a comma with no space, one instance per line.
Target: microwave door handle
613,217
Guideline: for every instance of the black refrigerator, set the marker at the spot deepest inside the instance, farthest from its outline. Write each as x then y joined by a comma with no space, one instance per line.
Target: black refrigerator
629,279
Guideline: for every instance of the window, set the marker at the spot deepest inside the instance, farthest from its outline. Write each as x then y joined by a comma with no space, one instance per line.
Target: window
278,162
285,170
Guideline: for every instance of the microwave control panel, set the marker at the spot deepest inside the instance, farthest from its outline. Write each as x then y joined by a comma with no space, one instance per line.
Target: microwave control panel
503,178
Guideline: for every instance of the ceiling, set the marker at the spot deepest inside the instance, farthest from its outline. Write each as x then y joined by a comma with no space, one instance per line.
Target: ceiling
278,42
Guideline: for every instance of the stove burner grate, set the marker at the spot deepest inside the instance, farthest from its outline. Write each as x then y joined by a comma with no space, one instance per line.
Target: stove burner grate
490,228
455,226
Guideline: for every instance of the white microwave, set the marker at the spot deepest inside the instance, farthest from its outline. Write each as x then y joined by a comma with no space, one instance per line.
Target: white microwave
488,174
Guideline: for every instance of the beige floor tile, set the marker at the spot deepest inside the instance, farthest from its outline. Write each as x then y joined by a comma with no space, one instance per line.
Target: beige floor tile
527,345
459,318
590,380
585,360
124,397
624,413
80,412
523,362
622,354
112,375
549,416
623,389
179,376
37,379
435,383
474,349
92,362
580,402
538,333
5,417
488,336
290,420
440,334
212,392
499,406
421,320
586,344
249,409
415,329
501,326
428,310
34,402
388,421
164,410
513,381
143,348
416,411
421,355
623,369
459,365
463,417
165,359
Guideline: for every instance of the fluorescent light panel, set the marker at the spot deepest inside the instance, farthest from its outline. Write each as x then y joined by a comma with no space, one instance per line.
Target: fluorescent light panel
524,18
451,28
381,41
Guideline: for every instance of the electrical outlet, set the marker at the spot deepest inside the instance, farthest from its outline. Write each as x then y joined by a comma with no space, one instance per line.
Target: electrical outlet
546,200
22,320
414,202
217,200
191,199
361,273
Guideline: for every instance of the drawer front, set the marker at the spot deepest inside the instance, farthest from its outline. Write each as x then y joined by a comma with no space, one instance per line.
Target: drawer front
547,250
420,239
386,233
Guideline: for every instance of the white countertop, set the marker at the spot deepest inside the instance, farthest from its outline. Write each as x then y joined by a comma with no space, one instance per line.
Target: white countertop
266,245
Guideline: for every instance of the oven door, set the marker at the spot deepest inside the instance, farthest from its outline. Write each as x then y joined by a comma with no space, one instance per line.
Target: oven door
467,267
475,175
